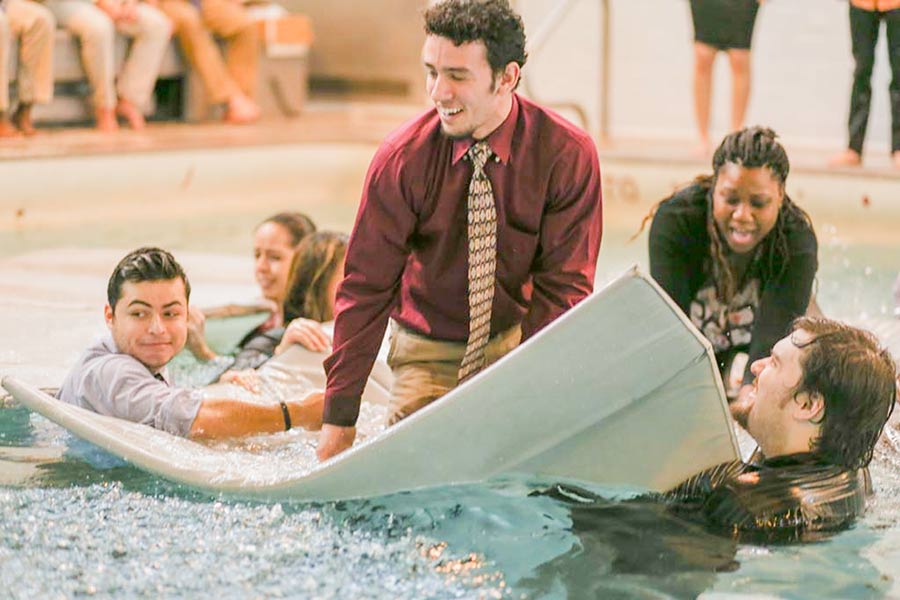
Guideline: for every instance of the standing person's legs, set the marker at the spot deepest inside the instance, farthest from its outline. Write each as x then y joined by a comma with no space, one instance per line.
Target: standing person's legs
864,35
742,17
704,58
150,33
35,26
740,86
6,128
704,16
96,33
892,23
230,21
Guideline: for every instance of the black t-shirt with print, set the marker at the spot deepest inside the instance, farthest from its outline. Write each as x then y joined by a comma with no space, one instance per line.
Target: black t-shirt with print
769,297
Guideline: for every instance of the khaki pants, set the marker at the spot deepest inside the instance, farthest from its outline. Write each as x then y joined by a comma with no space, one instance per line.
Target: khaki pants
425,369
228,20
95,31
34,26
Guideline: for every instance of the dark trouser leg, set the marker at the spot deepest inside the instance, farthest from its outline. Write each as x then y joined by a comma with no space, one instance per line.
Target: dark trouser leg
892,21
864,35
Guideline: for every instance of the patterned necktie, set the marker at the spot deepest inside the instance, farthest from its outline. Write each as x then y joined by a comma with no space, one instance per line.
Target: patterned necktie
482,216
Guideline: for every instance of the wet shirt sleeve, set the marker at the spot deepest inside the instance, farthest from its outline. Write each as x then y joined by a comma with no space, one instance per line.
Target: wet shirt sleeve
119,386
793,503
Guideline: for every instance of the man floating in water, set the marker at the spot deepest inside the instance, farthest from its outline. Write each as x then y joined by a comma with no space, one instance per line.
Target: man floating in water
123,374
818,406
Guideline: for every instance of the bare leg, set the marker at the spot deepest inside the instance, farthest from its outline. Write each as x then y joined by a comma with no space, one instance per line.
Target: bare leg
740,86
704,57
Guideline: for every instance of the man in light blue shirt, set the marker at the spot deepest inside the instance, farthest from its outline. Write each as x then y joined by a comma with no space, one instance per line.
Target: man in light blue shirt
123,375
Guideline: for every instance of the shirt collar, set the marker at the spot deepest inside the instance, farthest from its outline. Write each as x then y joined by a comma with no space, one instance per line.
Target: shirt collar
500,140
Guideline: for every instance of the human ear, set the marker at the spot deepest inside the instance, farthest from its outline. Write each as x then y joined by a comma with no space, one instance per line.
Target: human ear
810,407
108,315
509,77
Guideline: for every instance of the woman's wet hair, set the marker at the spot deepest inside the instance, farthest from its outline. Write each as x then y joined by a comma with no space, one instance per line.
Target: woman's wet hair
857,379
492,22
315,262
751,148
144,264
297,224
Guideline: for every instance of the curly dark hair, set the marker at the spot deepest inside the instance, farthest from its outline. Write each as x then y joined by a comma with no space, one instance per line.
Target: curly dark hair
144,264
857,379
751,147
492,22
317,259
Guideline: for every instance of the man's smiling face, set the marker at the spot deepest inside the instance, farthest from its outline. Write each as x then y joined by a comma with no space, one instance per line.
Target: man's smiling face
470,99
149,322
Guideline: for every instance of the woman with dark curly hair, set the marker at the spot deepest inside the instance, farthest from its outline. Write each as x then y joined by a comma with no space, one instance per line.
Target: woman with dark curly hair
735,253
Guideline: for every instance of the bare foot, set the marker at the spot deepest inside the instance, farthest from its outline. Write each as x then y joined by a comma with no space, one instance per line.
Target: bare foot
895,156
7,129
22,120
240,110
131,114
106,120
847,158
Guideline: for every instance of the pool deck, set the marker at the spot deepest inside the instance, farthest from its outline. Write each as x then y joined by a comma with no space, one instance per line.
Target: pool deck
365,122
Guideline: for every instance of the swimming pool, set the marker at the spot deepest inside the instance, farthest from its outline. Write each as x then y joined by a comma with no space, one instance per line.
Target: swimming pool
71,529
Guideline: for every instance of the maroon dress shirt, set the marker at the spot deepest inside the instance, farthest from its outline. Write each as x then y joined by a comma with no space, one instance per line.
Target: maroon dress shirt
408,252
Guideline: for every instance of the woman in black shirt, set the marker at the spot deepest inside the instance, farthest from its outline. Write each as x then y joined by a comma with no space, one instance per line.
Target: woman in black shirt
734,252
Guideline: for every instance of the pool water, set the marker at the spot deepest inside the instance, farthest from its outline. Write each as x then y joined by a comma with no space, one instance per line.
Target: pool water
74,526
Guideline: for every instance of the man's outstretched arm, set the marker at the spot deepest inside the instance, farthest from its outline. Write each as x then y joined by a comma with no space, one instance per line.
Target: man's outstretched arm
228,418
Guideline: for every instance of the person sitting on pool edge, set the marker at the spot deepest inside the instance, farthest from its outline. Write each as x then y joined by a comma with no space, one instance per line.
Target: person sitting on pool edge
123,374
817,407
735,253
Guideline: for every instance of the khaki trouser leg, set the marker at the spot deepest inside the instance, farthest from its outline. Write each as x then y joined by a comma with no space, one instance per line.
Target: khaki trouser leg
96,33
34,25
5,45
426,369
150,34
230,21
200,49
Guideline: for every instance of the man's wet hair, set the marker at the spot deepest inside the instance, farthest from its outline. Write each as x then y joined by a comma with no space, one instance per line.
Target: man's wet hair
857,378
492,22
144,264
296,223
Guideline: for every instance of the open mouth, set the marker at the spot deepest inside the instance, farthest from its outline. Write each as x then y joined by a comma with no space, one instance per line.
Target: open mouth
742,236
448,113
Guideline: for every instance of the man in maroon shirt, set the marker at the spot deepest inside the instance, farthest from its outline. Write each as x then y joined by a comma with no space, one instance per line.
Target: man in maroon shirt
408,253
